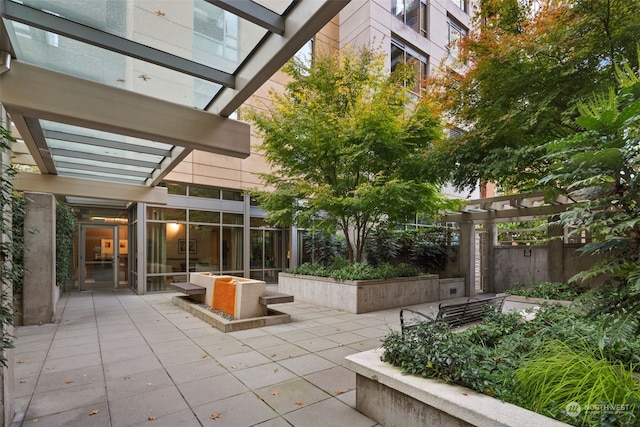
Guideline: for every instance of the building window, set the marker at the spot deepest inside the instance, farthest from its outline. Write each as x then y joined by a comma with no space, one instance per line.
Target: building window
305,55
455,34
400,53
413,13
464,5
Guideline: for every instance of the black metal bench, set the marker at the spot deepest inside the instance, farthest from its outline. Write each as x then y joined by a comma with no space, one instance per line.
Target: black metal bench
473,310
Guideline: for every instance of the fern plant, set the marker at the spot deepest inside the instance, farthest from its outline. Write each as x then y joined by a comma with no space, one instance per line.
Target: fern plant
598,168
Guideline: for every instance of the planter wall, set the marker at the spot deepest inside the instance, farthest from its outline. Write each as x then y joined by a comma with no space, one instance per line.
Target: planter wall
361,296
392,399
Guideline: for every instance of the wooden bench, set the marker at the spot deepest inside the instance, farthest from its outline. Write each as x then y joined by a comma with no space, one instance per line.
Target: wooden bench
274,298
269,298
189,288
473,310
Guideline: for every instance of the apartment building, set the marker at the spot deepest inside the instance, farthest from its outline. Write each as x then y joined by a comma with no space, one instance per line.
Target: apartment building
126,109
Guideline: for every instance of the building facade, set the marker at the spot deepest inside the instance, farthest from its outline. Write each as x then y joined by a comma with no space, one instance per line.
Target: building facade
209,222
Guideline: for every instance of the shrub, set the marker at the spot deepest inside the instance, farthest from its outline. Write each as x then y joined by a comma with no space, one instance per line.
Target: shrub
547,290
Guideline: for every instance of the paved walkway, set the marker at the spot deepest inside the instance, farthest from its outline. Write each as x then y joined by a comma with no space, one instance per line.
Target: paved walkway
114,358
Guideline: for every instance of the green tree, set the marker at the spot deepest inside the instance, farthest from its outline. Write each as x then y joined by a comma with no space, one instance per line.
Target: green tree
346,143
529,64
599,168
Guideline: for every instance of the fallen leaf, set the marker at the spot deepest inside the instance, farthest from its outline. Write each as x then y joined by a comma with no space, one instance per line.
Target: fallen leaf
126,378
273,355
340,345
233,367
338,393
299,403
215,415
465,394
275,393
22,361
68,381
149,384
204,356
35,420
151,418
361,343
94,412
275,370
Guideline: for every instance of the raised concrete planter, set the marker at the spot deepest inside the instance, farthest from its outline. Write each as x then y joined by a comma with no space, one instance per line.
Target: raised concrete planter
361,296
392,399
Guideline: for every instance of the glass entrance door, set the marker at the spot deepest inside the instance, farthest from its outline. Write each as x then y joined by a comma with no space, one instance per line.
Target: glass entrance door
98,257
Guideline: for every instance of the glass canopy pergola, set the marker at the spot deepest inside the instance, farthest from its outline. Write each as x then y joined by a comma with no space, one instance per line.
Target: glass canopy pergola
108,96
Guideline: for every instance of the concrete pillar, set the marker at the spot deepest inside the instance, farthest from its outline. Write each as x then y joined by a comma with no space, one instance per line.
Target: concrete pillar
555,252
38,305
490,264
468,256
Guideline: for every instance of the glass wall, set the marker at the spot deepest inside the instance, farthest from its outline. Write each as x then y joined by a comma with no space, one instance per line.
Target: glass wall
183,240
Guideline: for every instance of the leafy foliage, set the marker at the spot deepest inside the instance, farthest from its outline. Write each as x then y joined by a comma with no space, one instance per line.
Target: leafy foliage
356,271
527,362
547,290
346,142
598,168
529,64
65,229
9,272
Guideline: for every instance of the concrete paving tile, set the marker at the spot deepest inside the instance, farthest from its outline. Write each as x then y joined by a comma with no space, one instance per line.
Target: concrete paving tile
71,362
52,402
226,348
128,353
137,383
370,321
369,344
42,345
316,344
128,367
295,335
306,364
116,343
212,339
211,389
26,367
291,395
280,329
372,332
184,418
203,331
60,352
237,411
263,341
89,416
264,375
181,344
284,351
158,403
118,335
337,355
203,368
328,413
24,387
182,357
275,422
335,381
348,398
248,333
346,338
239,361
66,380
162,337
324,330
39,331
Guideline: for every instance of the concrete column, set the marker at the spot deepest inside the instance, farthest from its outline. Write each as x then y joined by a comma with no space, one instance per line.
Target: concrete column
468,256
489,264
555,252
39,292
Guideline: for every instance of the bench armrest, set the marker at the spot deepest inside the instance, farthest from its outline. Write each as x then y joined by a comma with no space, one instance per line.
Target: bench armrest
402,320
